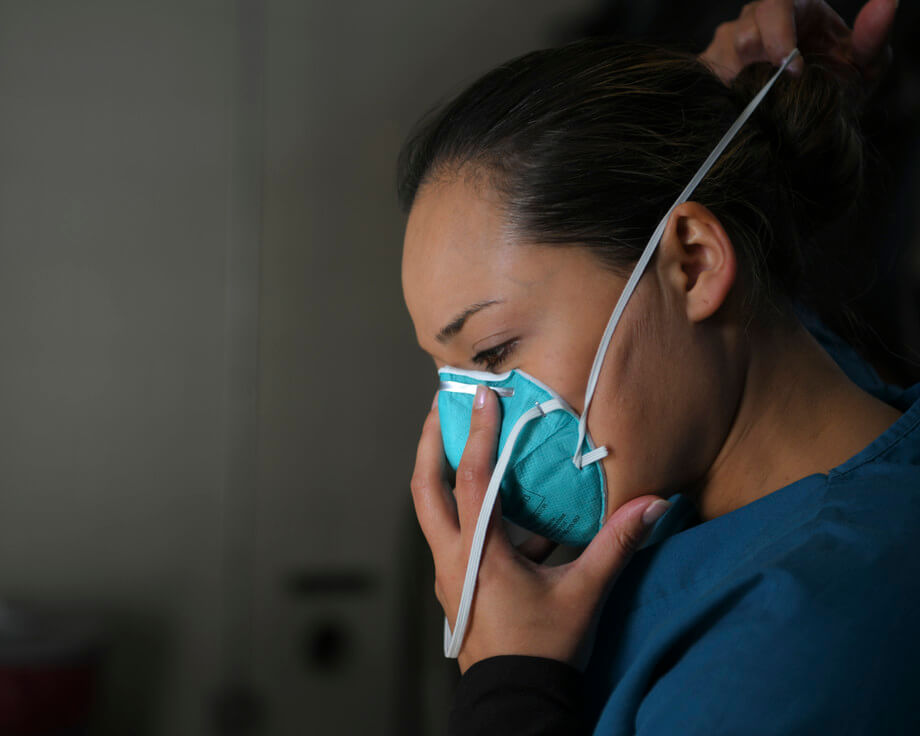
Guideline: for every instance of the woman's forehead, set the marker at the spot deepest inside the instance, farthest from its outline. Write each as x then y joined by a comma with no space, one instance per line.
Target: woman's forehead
452,222
455,251
459,253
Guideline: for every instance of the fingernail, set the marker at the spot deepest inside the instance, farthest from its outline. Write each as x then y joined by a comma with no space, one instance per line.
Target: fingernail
480,400
654,511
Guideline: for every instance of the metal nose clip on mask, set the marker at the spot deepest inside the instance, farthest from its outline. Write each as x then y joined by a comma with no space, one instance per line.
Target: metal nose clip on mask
548,484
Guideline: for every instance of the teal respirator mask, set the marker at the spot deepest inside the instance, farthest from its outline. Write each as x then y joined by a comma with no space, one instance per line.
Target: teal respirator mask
548,470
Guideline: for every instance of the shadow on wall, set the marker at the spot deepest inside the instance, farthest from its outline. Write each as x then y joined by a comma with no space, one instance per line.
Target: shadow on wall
135,667
426,679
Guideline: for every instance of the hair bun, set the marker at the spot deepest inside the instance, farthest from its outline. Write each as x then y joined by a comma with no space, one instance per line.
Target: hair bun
812,125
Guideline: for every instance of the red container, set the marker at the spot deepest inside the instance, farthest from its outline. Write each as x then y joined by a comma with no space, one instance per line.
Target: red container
49,662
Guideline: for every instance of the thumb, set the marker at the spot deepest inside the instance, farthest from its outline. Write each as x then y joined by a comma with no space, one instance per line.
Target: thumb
618,539
871,29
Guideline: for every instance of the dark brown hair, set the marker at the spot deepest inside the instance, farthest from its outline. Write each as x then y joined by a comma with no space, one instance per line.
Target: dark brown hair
590,143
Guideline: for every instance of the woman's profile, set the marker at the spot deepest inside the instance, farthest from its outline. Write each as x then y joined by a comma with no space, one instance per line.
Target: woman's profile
777,589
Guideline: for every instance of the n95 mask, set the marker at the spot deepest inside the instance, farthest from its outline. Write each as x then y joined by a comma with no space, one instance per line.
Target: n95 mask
542,490
548,486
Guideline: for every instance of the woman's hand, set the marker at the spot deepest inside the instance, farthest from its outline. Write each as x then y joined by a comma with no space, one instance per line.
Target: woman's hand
520,607
768,30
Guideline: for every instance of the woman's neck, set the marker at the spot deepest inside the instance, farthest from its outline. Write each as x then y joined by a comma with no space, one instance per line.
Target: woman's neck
798,415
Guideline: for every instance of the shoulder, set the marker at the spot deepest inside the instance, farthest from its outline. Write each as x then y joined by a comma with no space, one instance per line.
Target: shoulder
794,614
815,635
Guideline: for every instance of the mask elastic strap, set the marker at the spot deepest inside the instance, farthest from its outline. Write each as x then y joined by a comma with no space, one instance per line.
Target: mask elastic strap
579,460
454,641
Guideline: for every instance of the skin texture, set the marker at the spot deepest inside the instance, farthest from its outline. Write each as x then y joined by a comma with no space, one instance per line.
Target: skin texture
688,399
555,303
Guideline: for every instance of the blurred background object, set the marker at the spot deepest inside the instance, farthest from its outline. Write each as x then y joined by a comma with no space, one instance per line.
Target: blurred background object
210,391
48,671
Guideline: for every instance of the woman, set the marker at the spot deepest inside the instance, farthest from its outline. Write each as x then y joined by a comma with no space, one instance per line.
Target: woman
777,591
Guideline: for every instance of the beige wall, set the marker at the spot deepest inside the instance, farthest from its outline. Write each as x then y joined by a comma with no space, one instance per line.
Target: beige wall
209,383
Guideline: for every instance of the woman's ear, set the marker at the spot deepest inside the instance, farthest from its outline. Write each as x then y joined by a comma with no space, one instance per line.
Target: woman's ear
697,259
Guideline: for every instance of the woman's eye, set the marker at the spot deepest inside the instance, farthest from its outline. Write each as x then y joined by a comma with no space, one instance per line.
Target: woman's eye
494,357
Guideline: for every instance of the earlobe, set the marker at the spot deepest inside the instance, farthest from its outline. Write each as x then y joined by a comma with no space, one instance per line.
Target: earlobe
698,259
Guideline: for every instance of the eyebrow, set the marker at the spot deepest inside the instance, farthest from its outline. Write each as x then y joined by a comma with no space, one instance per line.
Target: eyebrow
456,324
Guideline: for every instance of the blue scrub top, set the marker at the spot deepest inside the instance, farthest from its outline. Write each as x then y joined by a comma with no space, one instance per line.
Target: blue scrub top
794,614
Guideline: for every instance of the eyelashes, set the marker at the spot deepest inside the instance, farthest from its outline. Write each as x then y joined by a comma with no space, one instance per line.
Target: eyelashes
494,357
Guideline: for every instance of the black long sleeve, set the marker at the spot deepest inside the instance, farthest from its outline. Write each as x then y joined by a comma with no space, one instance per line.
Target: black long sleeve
518,696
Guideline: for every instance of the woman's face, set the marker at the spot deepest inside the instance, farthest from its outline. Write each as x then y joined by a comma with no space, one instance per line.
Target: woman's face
543,309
